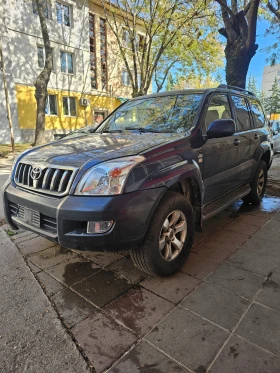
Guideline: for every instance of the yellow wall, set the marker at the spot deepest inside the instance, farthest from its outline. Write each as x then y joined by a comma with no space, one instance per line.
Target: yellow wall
26,104
275,116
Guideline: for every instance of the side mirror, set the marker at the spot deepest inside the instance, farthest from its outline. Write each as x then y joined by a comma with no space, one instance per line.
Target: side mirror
221,128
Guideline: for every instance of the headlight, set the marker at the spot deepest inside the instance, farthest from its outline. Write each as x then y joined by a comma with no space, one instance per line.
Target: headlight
107,178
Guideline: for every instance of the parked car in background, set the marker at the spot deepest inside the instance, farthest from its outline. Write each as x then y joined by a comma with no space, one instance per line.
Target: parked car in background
275,128
146,177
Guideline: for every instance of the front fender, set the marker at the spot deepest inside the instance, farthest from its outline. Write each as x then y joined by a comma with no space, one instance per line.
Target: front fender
175,173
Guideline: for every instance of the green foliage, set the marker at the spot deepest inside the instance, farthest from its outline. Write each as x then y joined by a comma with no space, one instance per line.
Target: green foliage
252,85
272,103
169,82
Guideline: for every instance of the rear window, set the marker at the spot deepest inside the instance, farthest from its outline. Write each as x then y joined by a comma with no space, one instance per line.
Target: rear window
257,112
242,113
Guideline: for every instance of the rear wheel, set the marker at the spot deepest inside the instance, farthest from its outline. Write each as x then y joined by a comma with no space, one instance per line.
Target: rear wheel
258,185
169,237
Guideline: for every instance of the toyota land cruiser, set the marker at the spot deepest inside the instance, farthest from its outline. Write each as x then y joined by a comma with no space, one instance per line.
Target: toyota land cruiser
146,177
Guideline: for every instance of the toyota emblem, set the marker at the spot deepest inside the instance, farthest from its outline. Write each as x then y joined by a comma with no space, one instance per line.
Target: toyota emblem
36,173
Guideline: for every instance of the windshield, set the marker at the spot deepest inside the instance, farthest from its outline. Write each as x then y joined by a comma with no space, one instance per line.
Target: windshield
174,113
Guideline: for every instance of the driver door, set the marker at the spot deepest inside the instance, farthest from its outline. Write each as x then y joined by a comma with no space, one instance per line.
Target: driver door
221,156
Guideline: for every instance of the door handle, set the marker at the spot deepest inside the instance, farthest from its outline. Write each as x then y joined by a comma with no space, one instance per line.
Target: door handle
256,136
236,142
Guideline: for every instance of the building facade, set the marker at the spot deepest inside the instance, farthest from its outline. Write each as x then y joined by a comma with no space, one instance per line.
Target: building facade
88,80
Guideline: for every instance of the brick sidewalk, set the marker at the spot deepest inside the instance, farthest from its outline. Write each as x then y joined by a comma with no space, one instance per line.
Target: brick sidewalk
220,314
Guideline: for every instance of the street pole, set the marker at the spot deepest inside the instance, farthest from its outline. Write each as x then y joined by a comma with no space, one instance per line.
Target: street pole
7,98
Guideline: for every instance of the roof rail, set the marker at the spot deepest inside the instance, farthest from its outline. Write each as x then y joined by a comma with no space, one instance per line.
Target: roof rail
225,86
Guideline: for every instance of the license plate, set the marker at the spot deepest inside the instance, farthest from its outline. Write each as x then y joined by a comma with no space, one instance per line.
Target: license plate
31,217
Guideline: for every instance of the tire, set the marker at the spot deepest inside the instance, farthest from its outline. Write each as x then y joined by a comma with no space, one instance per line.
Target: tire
156,258
257,189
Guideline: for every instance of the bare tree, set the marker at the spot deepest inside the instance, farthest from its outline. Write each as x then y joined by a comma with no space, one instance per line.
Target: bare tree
151,27
240,24
9,117
42,81
274,7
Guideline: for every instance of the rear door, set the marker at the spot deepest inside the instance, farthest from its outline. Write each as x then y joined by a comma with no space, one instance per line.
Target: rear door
247,135
221,157
257,136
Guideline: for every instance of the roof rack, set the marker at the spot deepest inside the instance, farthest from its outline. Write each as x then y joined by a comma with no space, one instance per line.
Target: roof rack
236,89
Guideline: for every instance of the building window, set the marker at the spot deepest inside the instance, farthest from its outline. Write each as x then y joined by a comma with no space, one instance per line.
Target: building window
51,105
126,42
69,106
99,116
41,57
66,62
103,53
92,49
126,78
63,14
45,5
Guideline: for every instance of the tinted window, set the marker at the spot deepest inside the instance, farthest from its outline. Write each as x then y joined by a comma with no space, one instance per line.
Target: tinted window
242,113
218,109
258,114
161,113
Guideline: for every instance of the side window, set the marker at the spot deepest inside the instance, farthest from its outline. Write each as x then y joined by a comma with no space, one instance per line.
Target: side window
258,114
242,113
218,109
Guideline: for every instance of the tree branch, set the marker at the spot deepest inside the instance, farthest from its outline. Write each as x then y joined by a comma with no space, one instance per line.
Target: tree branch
252,23
273,9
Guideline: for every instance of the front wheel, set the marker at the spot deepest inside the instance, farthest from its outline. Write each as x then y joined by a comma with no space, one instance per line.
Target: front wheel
258,185
169,237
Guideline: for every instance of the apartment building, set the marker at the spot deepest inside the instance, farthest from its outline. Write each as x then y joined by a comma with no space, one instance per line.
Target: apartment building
88,79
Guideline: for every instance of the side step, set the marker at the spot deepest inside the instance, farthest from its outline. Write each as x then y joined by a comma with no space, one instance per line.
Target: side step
222,203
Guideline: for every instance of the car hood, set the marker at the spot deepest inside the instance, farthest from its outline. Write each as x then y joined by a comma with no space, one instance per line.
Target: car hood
96,147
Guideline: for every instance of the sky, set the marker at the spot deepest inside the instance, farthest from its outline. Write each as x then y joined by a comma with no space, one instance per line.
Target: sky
259,60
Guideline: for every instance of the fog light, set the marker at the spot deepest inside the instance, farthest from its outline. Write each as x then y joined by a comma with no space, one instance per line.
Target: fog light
99,226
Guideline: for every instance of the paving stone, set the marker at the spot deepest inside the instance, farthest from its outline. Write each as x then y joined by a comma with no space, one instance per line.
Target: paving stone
263,247
50,285
34,268
270,295
277,216
218,305
258,221
189,339
125,268
269,234
103,259
240,227
139,310
240,356
103,340
34,245
173,288
226,236
276,274
261,326
50,257
253,262
71,307
23,236
237,280
273,224
199,266
214,249
144,358
101,288
73,270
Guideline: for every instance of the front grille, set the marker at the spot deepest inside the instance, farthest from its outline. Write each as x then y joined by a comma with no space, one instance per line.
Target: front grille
39,220
48,180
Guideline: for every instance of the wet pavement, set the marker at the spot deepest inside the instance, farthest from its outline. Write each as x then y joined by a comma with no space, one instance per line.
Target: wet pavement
219,314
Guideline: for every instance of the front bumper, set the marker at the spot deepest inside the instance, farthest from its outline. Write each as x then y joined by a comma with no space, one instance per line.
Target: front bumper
68,216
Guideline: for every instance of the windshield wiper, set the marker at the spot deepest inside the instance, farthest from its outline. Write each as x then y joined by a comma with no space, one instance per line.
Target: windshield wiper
142,129
111,131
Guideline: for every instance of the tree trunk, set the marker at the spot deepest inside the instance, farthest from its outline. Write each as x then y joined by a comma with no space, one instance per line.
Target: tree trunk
238,58
41,95
41,84
9,116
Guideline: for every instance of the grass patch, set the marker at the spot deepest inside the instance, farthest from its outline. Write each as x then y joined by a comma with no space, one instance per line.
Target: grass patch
6,149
